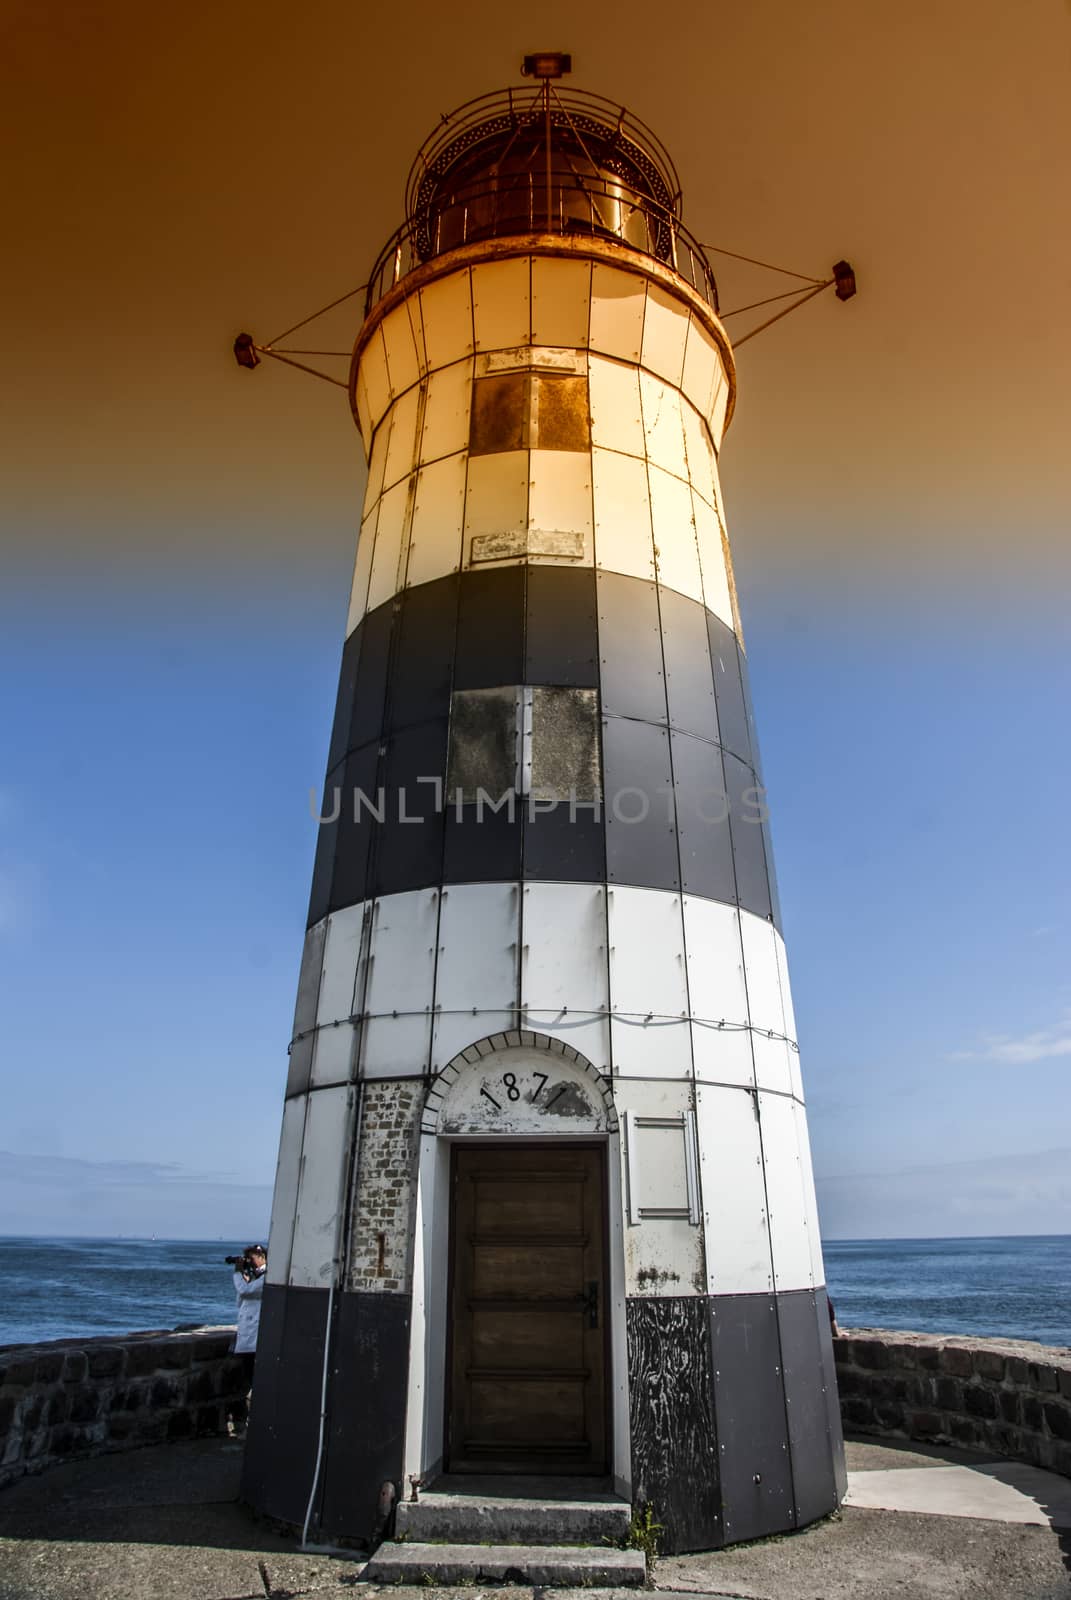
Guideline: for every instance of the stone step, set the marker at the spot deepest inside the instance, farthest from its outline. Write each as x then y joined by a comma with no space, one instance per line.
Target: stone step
508,1519
581,1565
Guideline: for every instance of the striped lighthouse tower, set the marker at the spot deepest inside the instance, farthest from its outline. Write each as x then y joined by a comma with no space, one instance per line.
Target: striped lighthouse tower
544,1202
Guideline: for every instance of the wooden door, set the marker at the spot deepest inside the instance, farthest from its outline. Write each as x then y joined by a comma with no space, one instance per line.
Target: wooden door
528,1310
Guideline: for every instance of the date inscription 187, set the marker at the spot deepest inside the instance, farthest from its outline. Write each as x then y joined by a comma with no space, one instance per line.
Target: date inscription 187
509,1090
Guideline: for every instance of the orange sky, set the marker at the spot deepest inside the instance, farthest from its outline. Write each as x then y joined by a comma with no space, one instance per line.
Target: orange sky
182,173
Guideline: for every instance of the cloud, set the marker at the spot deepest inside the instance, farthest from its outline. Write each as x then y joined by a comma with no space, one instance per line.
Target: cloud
42,1194
1012,1051
1002,1194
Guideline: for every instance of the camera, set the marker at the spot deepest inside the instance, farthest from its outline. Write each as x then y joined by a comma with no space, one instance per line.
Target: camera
244,1263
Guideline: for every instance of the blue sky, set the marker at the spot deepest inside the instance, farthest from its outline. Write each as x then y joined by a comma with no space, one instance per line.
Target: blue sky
156,848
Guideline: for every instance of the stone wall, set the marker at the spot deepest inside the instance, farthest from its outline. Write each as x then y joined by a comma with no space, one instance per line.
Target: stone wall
80,1397
1004,1396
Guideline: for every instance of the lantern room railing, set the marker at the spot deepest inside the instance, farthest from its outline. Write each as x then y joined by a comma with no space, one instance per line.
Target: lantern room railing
572,206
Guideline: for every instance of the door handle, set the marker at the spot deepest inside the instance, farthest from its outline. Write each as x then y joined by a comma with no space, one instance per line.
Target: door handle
591,1300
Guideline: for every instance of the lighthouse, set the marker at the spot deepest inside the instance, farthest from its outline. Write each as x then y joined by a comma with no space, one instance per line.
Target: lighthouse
544,1205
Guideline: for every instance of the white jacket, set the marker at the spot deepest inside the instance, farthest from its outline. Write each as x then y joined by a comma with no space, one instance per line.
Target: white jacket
249,1295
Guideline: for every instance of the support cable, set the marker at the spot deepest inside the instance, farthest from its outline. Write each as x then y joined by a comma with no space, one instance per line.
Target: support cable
753,261
312,318
736,312
266,350
771,320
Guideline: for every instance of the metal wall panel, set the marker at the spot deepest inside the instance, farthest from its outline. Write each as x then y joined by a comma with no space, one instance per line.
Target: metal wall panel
564,842
308,994
490,629
501,413
702,362
423,669
789,1234
809,1443
663,426
501,292
404,358
686,655
749,1405
364,414
333,1055
665,330
366,1421
375,379
732,713
476,981
496,497
796,1073
284,1195
760,942
735,1229
563,754
377,465
772,1070
370,689
705,842
560,501
485,745
677,558
829,1384
630,648
402,448
347,683
564,966
560,417
700,454
341,950
353,835
446,311
401,979
362,568
616,414
446,412
438,515
324,1155
674,1445
786,987
617,307
749,853
647,977
388,561
623,539
561,296
708,540
483,848
561,632
641,837
722,1055
715,964
278,1463
810,1198
409,843
718,409
323,869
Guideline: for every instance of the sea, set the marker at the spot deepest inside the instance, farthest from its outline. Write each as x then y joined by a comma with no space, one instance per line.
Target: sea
1012,1288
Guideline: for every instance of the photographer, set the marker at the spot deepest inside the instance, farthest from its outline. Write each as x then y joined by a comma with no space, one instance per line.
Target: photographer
249,1270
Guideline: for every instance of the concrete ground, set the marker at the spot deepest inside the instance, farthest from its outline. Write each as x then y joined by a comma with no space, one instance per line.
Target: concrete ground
163,1524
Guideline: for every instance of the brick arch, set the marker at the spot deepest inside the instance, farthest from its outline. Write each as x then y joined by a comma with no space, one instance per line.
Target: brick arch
496,1044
